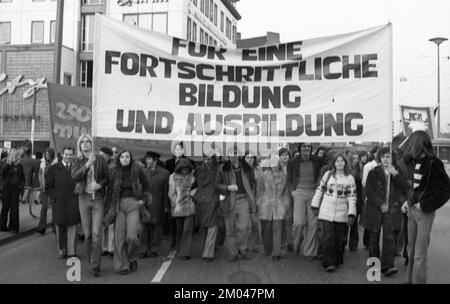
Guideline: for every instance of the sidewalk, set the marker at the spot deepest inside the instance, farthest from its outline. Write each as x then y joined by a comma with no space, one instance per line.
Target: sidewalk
27,224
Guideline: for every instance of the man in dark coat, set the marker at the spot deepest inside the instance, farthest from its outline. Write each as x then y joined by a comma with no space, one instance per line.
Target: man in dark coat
27,164
384,212
151,234
60,185
207,201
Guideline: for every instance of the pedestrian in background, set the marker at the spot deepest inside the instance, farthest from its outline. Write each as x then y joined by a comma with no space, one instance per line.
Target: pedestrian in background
272,199
13,184
287,237
90,172
46,199
334,203
430,191
182,205
207,201
128,190
60,185
303,172
152,232
383,212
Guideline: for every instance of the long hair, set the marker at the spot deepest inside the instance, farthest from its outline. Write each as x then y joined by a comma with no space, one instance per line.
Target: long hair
347,170
419,143
82,136
118,164
255,159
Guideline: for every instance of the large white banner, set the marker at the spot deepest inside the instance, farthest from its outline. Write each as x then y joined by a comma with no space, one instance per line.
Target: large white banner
150,86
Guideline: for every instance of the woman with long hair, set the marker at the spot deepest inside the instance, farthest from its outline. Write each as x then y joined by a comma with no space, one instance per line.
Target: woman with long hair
128,191
430,190
335,204
357,172
254,228
13,184
183,208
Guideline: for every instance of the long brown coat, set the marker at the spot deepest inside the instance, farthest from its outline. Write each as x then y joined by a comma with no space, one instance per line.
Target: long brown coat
272,196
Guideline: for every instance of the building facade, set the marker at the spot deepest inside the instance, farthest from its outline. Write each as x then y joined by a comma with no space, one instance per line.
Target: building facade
27,38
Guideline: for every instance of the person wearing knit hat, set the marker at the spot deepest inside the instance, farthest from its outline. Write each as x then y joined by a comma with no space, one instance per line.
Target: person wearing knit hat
152,232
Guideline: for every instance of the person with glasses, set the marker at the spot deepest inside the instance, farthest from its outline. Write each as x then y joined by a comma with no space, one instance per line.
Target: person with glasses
90,172
303,172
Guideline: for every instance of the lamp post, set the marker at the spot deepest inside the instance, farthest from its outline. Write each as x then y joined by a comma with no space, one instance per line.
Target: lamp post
438,41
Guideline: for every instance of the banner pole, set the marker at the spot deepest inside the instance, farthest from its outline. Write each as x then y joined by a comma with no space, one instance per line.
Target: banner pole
391,104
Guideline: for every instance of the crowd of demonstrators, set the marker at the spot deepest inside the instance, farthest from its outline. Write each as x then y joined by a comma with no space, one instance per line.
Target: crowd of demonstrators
311,204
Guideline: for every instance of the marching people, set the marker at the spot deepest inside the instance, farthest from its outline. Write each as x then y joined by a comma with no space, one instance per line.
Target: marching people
207,201
235,183
46,199
383,212
13,184
108,231
372,163
152,233
303,172
430,191
27,163
254,228
272,199
334,203
90,172
182,205
128,192
288,239
66,214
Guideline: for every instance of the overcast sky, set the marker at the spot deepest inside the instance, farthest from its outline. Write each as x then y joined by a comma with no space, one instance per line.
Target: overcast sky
414,22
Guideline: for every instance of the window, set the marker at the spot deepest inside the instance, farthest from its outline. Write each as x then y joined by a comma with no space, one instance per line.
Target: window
194,31
234,34
67,79
188,30
202,6
52,31
131,19
215,14
211,10
86,74
221,21
87,25
206,38
92,2
195,2
201,35
160,23
207,8
228,29
5,32
211,40
37,32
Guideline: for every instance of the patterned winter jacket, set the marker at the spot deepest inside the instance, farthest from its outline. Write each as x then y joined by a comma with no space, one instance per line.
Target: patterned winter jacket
335,198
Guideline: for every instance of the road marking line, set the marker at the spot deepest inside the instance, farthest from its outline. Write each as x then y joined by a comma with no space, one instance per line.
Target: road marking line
163,269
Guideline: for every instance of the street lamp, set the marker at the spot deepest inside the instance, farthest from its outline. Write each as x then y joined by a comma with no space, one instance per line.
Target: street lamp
438,41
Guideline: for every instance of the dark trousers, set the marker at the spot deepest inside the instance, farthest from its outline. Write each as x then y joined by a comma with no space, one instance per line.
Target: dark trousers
333,243
272,236
151,237
173,230
366,237
45,202
185,228
10,201
221,231
388,252
353,240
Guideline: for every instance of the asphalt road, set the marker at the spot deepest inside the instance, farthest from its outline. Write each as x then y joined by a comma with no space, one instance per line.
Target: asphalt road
33,260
